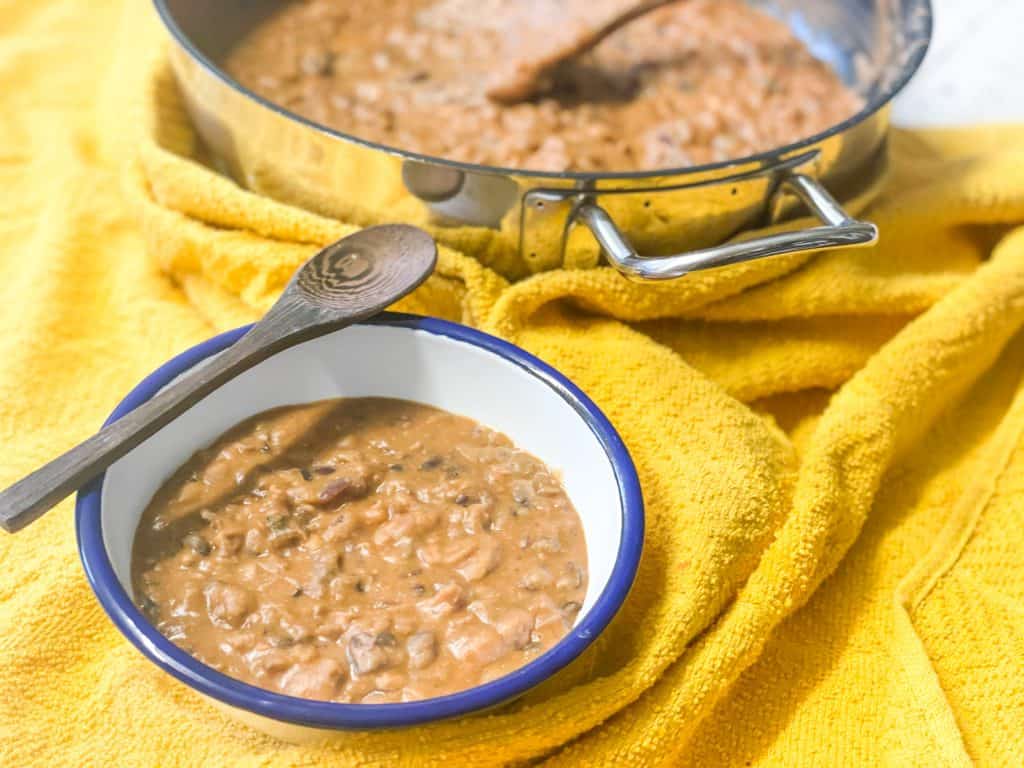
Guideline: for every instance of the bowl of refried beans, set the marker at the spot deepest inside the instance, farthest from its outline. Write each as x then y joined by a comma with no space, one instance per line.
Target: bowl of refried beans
403,521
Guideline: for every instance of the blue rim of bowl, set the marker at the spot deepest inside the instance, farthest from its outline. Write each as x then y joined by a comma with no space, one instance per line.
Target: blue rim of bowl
322,714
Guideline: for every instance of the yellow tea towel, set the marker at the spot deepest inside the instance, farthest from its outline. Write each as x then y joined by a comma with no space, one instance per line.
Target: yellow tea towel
829,448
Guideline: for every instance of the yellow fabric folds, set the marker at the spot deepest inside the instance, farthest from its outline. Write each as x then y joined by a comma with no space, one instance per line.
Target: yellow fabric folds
829,448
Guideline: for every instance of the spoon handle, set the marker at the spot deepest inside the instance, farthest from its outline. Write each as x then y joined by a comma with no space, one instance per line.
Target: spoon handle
30,497
349,280
616,23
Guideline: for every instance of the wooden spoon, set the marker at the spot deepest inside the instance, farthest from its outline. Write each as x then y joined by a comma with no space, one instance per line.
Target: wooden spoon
546,40
347,281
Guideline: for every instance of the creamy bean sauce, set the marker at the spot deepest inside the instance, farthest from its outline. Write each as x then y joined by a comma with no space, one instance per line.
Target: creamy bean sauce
695,82
361,550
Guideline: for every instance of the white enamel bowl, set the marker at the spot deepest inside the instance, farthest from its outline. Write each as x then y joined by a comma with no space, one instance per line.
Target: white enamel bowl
430,361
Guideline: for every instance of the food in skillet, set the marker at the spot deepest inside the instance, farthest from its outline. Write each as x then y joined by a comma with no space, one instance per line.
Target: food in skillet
694,82
362,550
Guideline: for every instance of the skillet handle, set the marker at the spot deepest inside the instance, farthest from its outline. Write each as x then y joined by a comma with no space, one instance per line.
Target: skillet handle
837,230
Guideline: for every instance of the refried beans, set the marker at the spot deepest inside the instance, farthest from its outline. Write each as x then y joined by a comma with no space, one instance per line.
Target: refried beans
361,550
695,82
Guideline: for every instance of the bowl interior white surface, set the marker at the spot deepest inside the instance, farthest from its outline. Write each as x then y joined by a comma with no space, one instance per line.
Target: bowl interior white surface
386,361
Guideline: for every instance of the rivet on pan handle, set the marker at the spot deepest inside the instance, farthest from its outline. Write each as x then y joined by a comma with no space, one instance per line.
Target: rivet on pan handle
838,230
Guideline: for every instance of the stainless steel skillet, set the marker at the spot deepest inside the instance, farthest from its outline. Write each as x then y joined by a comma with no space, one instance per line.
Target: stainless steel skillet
875,46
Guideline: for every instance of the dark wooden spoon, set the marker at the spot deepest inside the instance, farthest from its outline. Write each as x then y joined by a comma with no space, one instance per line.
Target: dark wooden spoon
347,281
544,41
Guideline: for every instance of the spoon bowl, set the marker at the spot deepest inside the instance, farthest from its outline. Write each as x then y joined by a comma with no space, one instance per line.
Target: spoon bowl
359,274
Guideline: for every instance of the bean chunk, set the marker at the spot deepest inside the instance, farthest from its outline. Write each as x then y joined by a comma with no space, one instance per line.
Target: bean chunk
343,489
422,649
228,604
365,654
316,680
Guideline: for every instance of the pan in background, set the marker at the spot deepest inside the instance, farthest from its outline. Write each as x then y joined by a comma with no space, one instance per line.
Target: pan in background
874,45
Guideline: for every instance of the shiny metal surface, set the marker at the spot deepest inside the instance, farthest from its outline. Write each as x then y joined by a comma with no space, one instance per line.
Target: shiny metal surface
839,230
875,45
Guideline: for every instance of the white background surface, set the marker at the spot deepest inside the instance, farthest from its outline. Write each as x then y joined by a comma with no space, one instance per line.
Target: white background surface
974,71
